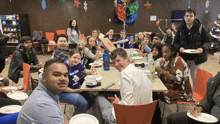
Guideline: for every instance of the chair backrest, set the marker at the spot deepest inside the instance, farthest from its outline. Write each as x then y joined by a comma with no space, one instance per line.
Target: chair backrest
26,76
82,36
63,31
202,78
50,36
134,114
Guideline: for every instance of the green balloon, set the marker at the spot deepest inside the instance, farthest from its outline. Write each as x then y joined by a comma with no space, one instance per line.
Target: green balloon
62,1
133,8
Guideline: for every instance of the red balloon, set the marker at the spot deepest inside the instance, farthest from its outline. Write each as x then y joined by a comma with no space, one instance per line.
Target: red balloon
121,12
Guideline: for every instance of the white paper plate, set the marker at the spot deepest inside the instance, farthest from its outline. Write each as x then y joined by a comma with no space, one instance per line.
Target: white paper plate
204,117
147,72
17,95
137,57
10,88
83,119
9,109
41,70
190,51
95,64
1,78
134,52
98,77
102,59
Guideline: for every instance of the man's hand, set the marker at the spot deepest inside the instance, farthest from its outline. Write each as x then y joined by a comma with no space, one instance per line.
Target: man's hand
158,22
117,100
6,91
181,50
1,75
200,50
38,66
194,110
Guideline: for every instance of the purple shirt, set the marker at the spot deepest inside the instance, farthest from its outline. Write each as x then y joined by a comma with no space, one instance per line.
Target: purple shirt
74,74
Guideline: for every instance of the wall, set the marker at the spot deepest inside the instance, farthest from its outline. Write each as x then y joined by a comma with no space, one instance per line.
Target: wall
57,15
207,19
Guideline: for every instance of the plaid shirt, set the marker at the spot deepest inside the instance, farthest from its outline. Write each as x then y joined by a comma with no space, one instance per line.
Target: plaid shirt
61,54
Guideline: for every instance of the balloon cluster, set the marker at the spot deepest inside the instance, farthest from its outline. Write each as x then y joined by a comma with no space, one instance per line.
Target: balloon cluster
126,11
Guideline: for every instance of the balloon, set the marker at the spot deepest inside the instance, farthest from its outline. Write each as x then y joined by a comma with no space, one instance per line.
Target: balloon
131,18
121,12
133,7
43,3
62,1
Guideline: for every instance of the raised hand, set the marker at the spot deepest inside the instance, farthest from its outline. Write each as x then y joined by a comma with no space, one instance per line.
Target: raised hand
158,22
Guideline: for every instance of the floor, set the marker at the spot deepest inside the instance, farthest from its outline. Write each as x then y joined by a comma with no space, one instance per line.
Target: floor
212,66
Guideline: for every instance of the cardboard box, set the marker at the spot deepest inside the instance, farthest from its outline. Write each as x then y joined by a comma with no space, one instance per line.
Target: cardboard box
110,47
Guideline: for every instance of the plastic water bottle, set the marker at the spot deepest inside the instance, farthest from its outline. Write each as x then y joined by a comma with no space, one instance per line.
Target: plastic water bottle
152,74
106,61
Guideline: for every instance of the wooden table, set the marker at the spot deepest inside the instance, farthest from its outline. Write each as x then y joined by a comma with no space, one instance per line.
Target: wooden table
113,75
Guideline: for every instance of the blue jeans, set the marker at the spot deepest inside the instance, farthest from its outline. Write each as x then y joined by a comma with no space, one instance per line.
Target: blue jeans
83,101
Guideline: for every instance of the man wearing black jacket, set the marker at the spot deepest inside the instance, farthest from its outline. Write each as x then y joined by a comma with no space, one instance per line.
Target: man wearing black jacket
3,54
192,35
24,53
209,105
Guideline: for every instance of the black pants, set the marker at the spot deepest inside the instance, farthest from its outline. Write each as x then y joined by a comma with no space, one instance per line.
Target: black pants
157,113
4,100
2,64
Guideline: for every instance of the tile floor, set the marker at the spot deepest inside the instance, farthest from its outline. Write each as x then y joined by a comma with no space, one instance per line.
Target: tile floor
212,66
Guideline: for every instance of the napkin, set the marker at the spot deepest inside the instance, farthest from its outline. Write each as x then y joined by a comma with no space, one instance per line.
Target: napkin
90,80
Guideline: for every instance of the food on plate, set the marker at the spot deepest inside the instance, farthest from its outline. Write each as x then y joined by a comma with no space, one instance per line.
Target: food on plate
193,51
7,110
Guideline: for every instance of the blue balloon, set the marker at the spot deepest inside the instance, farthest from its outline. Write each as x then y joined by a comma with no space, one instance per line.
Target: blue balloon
131,18
119,2
43,4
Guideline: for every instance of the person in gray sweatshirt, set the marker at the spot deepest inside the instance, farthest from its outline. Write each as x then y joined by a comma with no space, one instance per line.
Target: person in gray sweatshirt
73,34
